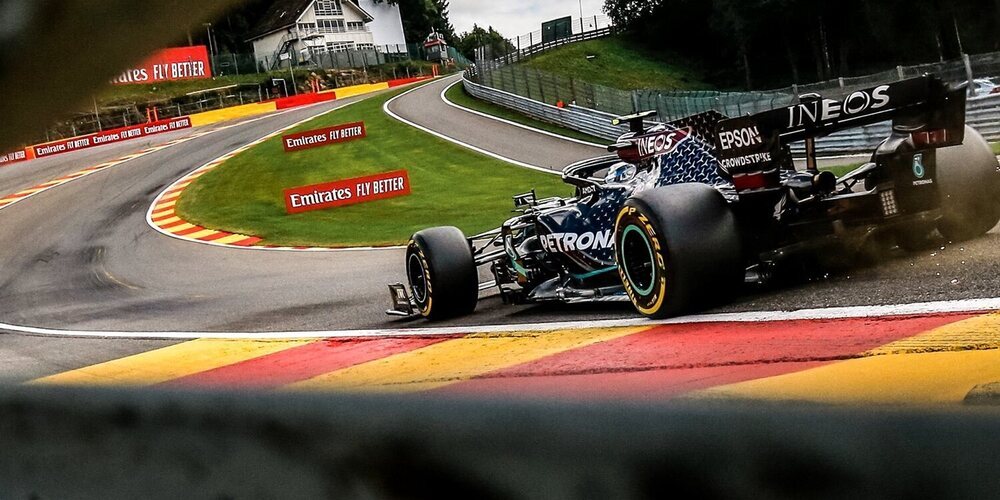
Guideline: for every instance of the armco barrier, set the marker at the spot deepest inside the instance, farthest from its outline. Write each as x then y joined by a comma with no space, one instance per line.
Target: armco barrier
110,137
304,100
14,157
983,114
406,81
589,121
62,443
195,120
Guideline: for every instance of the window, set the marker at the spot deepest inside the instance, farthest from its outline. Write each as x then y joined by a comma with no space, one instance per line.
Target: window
331,26
339,46
364,46
329,8
355,26
307,27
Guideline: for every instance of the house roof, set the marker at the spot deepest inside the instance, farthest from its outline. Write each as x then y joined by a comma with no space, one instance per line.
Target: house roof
283,13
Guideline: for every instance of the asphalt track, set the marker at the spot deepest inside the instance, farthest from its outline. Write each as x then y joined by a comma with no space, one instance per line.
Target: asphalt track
81,256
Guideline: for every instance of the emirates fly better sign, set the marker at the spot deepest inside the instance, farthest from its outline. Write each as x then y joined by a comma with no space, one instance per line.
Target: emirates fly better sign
179,63
324,136
347,192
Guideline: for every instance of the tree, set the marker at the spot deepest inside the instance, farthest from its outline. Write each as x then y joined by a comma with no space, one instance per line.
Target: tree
781,39
497,45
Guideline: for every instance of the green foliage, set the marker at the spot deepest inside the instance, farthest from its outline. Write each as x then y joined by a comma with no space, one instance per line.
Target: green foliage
619,63
244,195
469,41
776,42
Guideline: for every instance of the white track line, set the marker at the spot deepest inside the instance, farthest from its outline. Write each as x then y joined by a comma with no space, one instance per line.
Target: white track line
452,140
513,123
833,313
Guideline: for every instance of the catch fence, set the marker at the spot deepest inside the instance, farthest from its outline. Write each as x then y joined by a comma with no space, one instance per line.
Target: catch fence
580,105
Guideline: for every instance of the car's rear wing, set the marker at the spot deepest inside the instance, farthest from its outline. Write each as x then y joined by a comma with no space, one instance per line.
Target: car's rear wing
932,111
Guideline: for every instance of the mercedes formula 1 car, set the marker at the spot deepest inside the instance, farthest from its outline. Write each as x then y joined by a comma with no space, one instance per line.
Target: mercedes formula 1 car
682,214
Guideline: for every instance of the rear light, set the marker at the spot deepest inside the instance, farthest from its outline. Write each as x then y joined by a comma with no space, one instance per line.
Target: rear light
889,207
750,182
929,138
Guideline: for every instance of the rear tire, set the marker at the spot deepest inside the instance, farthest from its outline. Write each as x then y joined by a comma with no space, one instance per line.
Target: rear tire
678,249
969,186
444,281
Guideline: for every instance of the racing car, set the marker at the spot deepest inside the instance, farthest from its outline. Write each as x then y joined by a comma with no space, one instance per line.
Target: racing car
679,216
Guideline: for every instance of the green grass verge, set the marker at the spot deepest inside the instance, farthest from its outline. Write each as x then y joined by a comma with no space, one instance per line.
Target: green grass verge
618,63
840,170
450,186
458,95
124,94
996,147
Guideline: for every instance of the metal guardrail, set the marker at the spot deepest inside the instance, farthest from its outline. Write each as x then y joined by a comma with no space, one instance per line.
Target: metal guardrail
983,114
588,121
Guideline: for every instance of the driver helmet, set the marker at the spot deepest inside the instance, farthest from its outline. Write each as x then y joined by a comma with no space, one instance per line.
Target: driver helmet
620,173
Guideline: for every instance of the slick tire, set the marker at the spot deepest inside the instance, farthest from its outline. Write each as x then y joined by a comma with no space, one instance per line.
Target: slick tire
678,250
969,186
444,281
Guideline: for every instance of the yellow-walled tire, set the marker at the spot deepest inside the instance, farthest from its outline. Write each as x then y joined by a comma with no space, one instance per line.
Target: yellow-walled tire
444,281
678,250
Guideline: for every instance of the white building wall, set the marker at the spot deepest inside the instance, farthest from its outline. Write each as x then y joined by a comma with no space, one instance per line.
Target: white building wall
263,48
387,28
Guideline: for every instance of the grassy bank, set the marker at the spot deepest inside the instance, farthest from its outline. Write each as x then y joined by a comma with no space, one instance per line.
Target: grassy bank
127,94
615,62
450,186
457,95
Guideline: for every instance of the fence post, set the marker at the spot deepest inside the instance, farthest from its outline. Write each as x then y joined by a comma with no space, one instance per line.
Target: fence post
968,73
841,81
899,70
635,101
541,87
97,116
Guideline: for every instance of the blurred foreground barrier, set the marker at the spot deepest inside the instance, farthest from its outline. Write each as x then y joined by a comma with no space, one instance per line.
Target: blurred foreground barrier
62,443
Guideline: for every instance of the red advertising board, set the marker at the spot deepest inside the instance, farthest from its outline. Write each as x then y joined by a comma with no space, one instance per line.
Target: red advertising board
347,192
13,157
178,63
324,136
111,136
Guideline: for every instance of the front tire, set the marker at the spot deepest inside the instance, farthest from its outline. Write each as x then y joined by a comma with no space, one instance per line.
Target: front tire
969,186
444,281
678,249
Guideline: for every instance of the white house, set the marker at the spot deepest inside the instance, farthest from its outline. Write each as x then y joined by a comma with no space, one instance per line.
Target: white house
307,28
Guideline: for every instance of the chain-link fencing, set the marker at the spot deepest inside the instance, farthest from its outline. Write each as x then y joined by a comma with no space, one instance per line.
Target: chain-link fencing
512,85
